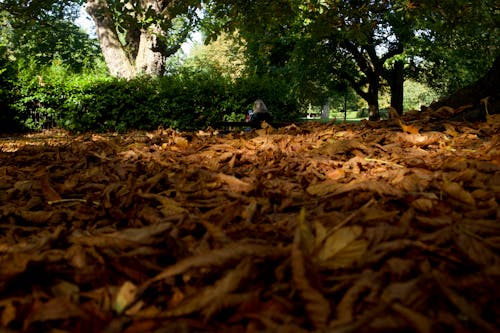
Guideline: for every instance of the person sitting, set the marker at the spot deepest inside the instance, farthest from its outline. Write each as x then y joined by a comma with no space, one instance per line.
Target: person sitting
260,114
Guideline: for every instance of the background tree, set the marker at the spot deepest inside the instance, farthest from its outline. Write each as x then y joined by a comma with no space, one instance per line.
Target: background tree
36,34
457,43
368,44
136,37
224,54
58,39
334,41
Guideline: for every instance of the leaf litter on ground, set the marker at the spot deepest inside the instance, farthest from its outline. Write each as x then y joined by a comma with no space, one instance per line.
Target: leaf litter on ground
371,227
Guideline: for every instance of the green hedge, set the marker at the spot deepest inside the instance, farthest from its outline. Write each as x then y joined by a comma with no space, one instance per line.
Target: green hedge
185,101
9,121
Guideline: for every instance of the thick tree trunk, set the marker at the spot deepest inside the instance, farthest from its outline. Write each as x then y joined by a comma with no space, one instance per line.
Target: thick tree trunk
372,99
149,60
396,82
487,86
112,49
477,99
143,53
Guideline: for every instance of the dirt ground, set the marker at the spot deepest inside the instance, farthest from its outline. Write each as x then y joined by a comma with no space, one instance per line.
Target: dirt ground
373,227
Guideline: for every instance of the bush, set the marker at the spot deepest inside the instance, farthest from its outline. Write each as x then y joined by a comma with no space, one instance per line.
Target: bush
8,119
188,100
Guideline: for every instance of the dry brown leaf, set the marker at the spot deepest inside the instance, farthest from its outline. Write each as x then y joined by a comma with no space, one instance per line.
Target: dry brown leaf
48,191
346,257
249,211
8,312
419,322
317,306
23,185
320,234
307,239
457,192
180,141
124,238
211,298
54,309
450,130
216,233
423,204
37,218
338,241
345,308
219,257
462,304
66,289
176,213
382,188
323,188
476,249
169,206
235,184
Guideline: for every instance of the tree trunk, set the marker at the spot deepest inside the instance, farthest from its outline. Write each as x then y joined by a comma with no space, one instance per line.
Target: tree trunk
487,86
138,50
396,82
118,63
149,60
372,99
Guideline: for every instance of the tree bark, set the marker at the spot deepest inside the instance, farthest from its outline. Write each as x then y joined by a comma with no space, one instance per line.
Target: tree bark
118,63
396,81
372,99
140,49
488,85
150,61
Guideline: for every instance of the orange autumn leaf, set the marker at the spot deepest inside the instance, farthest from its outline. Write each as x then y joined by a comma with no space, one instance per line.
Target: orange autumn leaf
410,129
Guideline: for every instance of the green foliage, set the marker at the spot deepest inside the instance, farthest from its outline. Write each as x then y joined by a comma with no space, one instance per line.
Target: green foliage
187,100
42,92
8,121
315,44
41,44
417,94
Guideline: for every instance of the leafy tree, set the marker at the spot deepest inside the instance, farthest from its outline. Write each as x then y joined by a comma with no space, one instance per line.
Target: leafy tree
325,42
8,121
223,54
458,41
135,37
369,44
58,39
40,32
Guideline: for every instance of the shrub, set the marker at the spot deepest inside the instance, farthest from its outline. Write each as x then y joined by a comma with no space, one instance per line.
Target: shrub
8,120
187,100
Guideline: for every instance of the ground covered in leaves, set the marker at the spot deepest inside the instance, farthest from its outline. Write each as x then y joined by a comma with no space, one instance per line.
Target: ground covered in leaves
373,227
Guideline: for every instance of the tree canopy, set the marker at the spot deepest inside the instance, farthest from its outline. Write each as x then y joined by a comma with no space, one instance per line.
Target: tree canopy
369,45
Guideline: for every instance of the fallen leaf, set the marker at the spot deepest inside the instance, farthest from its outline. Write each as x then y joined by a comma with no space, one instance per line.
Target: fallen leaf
457,192
317,306
48,191
8,313
338,241
411,129
235,184
55,309
126,295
